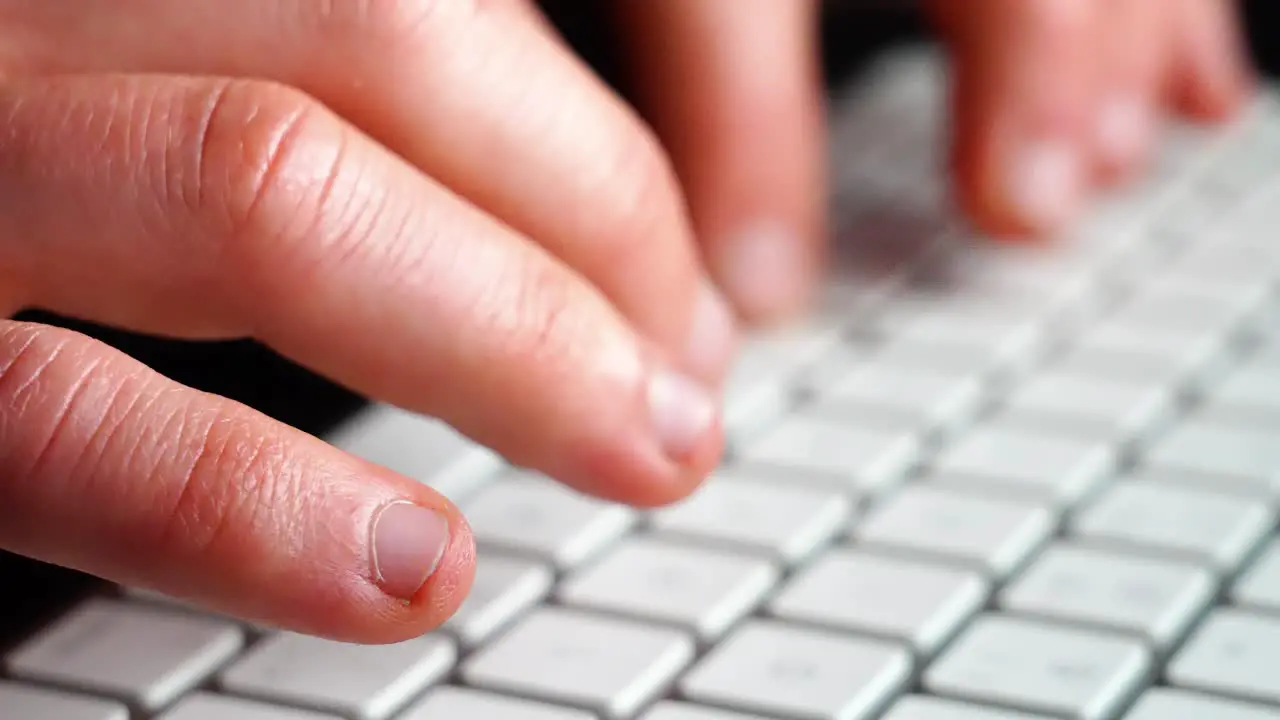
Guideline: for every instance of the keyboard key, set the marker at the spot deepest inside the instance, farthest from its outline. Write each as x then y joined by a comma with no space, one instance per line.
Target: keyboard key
1111,351
204,706
919,707
783,522
503,589
532,517
836,454
1040,668
1251,394
1169,704
1026,464
916,399
1156,599
919,604
702,590
1234,653
974,343
418,447
144,656
772,669
764,380
23,702
611,667
454,703
1226,456
1166,308
1089,408
1168,519
991,535
367,682
1259,587
668,710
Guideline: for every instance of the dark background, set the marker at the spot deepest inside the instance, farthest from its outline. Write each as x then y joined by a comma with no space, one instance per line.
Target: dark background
852,31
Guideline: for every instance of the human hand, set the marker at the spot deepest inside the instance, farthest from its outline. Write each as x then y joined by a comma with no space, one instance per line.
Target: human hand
430,201
1052,100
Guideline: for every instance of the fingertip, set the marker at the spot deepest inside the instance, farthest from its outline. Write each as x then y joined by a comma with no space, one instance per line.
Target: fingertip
767,270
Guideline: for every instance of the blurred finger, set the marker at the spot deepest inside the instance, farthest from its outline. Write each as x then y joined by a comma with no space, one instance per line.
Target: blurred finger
1023,108
734,90
1211,75
113,470
1133,62
216,208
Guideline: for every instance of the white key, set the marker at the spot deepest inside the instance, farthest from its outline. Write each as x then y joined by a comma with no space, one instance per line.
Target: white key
1168,519
1166,308
1233,653
1156,599
1039,668
1250,394
1170,704
533,517
503,589
785,523
764,379
1026,464
1259,587
916,399
919,604
144,656
773,669
992,535
668,710
1111,351
950,341
454,703
611,667
367,682
836,454
703,591
418,447
1228,455
1090,408
24,702
205,706
920,707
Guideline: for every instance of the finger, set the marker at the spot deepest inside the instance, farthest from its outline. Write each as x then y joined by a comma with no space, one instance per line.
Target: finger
227,208
734,92
474,93
1211,75
1024,96
113,470
1133,62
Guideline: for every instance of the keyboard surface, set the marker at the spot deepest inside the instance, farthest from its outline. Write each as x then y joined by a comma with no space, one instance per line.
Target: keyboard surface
982,482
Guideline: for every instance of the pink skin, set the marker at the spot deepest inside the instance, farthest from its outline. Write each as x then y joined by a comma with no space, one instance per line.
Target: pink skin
509,248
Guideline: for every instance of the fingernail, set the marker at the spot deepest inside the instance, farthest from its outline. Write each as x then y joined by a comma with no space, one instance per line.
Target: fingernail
408,543
1124,129
713,335
764,270
1045,183
682,413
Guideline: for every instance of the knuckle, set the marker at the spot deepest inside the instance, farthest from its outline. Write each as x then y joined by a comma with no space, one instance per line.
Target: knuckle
644,199
56,417
270,162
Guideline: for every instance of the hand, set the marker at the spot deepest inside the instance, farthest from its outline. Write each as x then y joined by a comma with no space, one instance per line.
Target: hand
430,201
1053,99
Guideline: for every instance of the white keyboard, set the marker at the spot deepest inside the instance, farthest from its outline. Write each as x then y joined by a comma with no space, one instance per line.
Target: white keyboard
981,483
